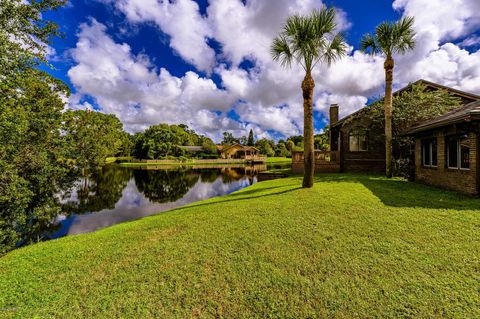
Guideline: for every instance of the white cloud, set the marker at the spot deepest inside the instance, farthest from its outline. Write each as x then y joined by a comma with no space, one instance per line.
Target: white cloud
435,58
180,20
130,87
265,96
348,103
445,19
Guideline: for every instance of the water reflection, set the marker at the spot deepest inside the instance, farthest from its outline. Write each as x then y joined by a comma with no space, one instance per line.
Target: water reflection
118,194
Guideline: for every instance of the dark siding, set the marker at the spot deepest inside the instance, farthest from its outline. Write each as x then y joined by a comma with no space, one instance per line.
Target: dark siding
371,161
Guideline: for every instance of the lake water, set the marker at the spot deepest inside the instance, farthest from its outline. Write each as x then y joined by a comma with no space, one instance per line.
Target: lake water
117,194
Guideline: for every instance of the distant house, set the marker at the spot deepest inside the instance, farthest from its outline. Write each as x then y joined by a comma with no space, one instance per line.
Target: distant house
447,150
356,145
238,151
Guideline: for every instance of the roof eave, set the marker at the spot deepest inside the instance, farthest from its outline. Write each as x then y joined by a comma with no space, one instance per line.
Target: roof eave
428,127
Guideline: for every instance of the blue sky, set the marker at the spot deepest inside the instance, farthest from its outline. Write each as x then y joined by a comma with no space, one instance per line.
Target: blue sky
206,63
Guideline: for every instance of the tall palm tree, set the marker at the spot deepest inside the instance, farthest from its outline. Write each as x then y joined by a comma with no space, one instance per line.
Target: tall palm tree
309,40
390,38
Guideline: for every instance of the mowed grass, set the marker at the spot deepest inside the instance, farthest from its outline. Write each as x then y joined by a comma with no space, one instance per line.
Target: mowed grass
353,246
275,160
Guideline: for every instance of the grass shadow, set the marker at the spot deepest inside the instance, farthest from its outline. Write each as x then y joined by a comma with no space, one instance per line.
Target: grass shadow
397,192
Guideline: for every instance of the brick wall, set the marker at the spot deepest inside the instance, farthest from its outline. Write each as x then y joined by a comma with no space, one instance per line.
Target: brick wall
368,165
464,181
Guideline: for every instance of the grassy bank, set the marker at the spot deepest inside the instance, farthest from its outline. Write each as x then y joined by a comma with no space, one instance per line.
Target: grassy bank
353,246
278,160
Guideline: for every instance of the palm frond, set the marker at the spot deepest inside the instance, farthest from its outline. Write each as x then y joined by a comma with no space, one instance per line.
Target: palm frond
369,44
281,51
323,21
404,35
294,25
391,38
384,36
336,49
308,39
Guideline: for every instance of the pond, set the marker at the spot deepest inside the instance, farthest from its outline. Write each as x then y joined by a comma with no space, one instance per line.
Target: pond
117,194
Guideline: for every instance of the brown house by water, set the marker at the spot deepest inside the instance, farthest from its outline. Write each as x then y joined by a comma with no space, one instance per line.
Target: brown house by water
238,151
356,145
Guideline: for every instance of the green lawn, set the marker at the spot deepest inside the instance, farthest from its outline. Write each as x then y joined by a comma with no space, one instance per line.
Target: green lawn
274,160
353,246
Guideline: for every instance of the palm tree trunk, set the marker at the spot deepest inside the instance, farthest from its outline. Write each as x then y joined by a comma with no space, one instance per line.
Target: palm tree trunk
388,65
308,149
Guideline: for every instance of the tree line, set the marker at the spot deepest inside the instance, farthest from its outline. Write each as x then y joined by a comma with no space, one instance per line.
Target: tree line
281,148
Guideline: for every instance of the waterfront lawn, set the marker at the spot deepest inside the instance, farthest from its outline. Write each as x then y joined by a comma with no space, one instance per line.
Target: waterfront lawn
353,246
275,160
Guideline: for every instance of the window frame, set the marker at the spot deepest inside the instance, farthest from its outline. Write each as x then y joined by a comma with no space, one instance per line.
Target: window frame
358,134
458,152
429,143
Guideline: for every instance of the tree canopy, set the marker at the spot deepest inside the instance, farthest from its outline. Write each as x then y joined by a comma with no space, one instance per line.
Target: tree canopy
163,141
413,106
390,38
32,156
92,137
309,40
25,34
251,139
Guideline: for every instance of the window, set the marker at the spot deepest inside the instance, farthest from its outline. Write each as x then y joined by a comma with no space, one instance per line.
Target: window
429,152
464,155
358,141
458,152
452,152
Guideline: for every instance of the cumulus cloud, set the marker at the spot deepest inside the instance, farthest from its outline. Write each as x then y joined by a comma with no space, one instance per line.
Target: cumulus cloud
180,20
446,20
264,96
438,24
129,86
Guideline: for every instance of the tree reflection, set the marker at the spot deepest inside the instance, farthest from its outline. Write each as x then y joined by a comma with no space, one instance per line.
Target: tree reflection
101,191
209,175
165,185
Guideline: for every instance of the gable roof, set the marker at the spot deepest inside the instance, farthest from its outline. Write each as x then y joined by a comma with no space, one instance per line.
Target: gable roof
223,148
468,97
461,114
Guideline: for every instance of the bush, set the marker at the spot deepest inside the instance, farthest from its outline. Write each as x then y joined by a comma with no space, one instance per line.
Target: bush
403,168
207,156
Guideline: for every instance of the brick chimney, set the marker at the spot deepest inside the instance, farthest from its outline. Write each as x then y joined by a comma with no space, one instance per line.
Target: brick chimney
333,114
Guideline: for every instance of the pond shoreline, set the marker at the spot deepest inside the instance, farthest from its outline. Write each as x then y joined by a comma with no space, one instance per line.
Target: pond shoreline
119,193
191,162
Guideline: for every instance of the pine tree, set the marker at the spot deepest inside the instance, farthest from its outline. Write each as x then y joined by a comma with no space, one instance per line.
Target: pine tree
250,141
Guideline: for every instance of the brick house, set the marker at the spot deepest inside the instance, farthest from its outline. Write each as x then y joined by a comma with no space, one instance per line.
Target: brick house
356,144
447,150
